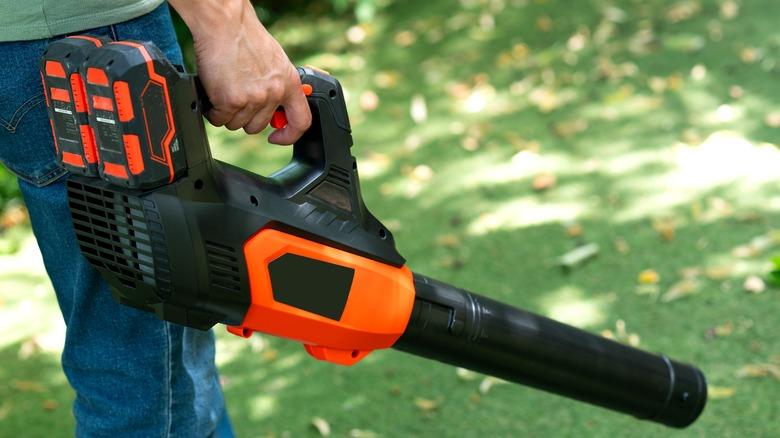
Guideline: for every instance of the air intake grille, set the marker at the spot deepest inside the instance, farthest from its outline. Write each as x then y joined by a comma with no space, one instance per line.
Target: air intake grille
223,267
120,234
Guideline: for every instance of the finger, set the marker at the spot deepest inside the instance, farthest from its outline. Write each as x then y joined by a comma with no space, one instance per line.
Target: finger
242,117
218,116
298,120
258,123
260,120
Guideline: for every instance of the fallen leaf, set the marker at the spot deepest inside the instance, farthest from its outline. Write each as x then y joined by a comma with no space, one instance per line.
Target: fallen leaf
718,272
574,230
488,383
622,246
465,375
665,228
27,386
426,405
543,181
361,433
759,370
719,392
322,426
448,240
720,331
578,256
681,289
50,404
648,276
754,284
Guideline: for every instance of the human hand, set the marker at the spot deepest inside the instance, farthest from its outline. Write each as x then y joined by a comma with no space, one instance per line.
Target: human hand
244,70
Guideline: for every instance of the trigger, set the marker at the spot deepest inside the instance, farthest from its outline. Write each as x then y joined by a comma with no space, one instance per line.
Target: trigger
279,119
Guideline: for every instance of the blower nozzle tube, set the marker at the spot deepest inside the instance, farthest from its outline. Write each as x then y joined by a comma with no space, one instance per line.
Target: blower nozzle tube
464,329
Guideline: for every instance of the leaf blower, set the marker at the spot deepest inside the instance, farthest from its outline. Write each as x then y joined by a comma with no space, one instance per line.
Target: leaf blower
296,254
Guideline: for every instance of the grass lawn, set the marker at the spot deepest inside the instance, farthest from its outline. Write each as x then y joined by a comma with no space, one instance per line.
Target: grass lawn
494,136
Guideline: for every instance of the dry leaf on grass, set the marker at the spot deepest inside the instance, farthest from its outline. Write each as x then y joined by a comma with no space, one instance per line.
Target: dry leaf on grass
682,288
465,375
719,392
648,276
759,370
754,284
578,256
322,426
426,405
488,383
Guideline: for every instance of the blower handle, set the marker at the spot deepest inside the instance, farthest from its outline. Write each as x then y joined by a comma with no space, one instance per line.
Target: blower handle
460,328
324,145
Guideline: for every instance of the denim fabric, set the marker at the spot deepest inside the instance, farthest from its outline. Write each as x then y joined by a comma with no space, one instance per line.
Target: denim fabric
134,375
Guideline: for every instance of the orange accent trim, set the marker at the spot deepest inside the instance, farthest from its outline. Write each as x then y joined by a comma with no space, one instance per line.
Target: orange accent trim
45,94
279,119
159,79
124,104
115,170
54,136
307,89
54,69
88,143
95,41
79,97
135,161
97,76
60,94
102,103
375,316
72,159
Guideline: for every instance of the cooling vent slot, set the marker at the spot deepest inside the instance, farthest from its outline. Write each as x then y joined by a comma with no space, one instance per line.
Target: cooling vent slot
114,234
339,176
224,274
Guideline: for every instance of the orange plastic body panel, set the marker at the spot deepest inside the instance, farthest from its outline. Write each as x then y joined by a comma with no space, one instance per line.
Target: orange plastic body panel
72,159
97,76
79,97
376,313
116,170
124,104
54,69
88,140
60,94
102,103
133,153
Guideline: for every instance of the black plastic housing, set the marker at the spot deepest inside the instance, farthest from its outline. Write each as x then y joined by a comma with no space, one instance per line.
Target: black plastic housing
460,328
178,250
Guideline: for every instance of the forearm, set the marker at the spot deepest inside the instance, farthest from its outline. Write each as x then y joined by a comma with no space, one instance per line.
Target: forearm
216,17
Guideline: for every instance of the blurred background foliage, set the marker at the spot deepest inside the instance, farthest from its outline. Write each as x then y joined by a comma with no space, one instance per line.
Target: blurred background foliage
633,141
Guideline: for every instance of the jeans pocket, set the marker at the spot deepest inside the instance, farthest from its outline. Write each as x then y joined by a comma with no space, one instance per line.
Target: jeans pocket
26,145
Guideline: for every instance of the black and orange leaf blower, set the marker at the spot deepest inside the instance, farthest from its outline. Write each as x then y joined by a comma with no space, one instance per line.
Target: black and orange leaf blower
296,254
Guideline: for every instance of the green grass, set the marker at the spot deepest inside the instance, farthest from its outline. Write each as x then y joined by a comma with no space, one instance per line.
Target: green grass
643,124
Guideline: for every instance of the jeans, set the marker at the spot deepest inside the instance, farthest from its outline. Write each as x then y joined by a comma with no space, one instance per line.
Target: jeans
133,374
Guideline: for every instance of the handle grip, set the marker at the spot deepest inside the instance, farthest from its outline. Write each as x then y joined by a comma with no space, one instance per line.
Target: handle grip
460,328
